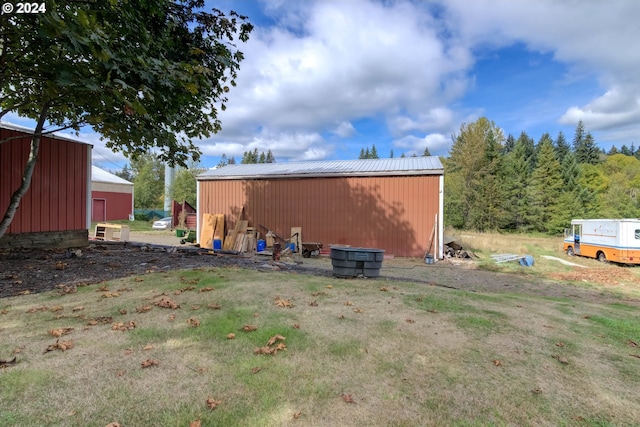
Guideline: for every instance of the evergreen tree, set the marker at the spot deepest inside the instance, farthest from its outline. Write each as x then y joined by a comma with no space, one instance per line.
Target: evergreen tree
374,153
223,161
232,160
270,157
125,173
426,152
546,188
517,173
584,146
488,197
391,154
509,144
402,156
562,147
262,158
529,149
362,154
623,150
367,153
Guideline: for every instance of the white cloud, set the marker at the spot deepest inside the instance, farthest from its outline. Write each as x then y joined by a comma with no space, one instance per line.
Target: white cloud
435,142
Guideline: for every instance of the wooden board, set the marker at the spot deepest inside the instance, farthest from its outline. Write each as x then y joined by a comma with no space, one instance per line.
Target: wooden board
206,233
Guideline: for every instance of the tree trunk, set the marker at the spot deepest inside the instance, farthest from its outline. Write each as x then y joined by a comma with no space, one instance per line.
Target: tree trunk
28,172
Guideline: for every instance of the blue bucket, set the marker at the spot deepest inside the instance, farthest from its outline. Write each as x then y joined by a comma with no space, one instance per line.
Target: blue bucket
262,245
292,246
217,244
428,259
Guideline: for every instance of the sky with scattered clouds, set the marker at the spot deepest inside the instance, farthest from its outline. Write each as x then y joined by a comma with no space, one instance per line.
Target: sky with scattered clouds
323,79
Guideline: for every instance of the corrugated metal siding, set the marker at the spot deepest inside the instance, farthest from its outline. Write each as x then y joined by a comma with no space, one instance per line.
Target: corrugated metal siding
391,213
57,197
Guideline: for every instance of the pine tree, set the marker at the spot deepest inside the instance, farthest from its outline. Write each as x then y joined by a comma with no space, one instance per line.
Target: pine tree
270,157
426,152
232,160
223,161
509,144
546,189
367,153
362,154
262,158
374,153
517,174
391,154
562,147
528,145
488,197
613,150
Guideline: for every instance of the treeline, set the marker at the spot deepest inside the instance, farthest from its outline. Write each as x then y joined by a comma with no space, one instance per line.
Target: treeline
497,183
365,153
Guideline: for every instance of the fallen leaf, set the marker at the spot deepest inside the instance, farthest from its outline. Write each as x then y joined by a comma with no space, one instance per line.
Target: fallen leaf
348,398
297,415
128,352
249,328
253,370
635,355
560,344
348,303
357,310
384,289
275,338
147,347
166,302
57,308
329,287
122,311
313,303
143,309
103,288
410,320
296,326
536,391
113,424
110,295
212,403
283,302
341,316
231,336
148,363
78,308
432,311
497,362
60,345
214,306
207,289
120,373
195,307
172,318
632,343
5,311
195,423
123,327
60,332
61,265
193,322
138,279
34,309
561,359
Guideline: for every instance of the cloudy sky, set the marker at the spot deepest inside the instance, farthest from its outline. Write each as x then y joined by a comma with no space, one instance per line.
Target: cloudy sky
324,79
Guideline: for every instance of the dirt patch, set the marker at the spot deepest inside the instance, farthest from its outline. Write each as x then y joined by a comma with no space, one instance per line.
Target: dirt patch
32,271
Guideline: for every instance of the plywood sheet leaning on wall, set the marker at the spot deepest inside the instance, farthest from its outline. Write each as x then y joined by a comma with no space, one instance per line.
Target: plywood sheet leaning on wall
212,228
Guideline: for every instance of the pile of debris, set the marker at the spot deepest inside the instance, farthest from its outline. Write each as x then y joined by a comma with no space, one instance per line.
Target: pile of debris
454,250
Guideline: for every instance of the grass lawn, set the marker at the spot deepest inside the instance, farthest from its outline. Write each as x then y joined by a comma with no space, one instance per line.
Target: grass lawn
249,348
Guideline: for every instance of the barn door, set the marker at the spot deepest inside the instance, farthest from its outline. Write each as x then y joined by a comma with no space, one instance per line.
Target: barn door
98,210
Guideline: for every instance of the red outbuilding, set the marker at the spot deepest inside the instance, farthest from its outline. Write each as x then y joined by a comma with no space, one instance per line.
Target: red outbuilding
111,196
55,211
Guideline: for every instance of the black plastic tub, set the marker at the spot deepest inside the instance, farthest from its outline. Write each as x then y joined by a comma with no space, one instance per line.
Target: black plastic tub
353,262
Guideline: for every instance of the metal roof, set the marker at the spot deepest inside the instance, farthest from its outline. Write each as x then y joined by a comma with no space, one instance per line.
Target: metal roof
101,175
18,128
333,168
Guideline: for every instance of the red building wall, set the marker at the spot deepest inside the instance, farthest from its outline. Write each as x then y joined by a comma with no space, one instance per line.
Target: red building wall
57,197
118,205
394,213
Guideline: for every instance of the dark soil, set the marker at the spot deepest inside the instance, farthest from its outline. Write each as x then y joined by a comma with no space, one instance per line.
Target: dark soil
25,271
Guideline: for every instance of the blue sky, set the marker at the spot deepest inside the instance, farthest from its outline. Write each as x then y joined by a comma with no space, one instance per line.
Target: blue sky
323,79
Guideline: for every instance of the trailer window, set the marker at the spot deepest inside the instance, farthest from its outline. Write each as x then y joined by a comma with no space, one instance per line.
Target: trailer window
637,234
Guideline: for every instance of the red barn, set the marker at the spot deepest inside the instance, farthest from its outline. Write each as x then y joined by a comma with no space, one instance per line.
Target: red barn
55,211
111,196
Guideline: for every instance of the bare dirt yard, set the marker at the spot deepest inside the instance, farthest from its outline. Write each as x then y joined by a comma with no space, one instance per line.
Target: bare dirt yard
32,271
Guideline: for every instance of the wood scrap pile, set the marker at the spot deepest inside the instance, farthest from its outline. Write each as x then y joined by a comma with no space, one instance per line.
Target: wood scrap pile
454,250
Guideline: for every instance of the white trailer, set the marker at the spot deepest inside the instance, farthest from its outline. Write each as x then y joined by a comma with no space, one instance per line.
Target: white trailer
616,240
